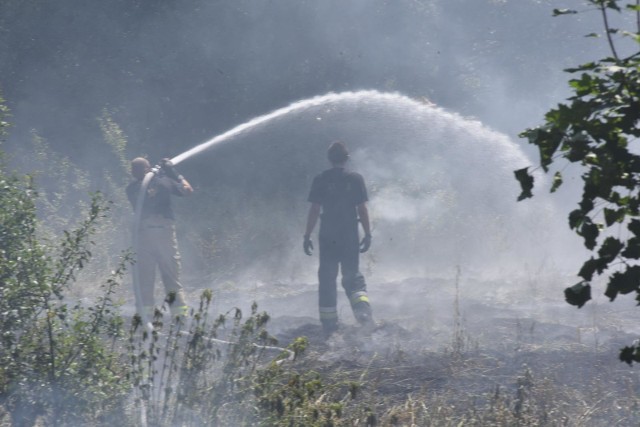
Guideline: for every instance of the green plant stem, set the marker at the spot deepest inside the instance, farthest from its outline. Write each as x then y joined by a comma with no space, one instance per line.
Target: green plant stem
52,349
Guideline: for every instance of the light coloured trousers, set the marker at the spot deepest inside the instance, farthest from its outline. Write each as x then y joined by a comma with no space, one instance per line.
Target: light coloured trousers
158,247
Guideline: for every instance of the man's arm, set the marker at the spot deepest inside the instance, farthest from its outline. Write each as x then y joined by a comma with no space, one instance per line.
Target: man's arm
363,214
312,219
184,188
187,189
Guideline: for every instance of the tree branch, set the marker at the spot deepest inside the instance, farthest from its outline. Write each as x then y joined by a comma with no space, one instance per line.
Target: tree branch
638,16
605,18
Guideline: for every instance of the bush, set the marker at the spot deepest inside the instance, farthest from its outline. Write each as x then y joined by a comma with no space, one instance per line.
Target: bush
55,361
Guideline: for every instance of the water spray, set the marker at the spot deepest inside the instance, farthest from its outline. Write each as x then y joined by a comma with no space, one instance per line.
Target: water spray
363,96
499,150
372,101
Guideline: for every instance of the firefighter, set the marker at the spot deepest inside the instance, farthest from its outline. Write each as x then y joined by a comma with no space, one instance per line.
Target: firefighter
338,197
157,244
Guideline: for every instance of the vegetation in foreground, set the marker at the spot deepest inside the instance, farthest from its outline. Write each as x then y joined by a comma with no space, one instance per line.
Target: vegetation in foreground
69,363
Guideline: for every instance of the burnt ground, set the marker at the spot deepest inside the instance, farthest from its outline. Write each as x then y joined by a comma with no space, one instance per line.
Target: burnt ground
466,343
466,346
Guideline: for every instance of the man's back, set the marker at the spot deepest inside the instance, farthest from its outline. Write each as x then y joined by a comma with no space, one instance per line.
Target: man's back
338,191
158,197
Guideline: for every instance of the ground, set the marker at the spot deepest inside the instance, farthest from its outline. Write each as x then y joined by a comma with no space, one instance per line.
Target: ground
463,350
469,344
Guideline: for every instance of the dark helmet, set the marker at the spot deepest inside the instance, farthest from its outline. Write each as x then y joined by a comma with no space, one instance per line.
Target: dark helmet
139,167
337,153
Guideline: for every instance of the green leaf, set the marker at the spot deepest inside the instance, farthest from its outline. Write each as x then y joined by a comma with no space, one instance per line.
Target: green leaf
591,159
593,35
610,249
590,267
632,250
612,4
634,227
557,182
584,67
578,294
611,216
630,355
548,138
558,12
634,36
577,148
586,205
585,85
576,218
589,231
526,183
623,282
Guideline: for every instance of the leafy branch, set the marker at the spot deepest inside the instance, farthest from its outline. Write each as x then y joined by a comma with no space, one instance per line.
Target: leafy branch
596,129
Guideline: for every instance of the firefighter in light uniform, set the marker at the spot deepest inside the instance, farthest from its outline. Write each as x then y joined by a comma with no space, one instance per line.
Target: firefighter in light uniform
157,244
338,197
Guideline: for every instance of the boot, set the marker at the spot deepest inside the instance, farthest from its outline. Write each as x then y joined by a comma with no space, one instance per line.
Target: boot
329,327
362,313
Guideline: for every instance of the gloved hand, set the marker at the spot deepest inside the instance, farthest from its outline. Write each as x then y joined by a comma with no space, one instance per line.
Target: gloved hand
307,245
169,169
365,243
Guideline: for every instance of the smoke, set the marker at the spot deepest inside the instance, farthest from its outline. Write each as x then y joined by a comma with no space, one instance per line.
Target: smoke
442,191
174,74
178,73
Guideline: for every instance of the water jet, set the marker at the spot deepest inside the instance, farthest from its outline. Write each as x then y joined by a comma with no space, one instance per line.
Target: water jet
441,187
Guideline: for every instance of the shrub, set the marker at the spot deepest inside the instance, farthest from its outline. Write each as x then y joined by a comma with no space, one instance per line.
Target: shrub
55,361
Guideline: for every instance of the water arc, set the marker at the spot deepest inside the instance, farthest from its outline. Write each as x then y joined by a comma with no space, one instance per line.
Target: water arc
363,97
441,185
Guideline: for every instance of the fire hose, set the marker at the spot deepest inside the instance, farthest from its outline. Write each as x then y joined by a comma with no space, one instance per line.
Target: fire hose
136,280
136,271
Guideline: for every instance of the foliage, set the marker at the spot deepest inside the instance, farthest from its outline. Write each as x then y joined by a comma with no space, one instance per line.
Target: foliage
59,183
56,364
115,137
598,129
4,112
194,371
61,198
227,371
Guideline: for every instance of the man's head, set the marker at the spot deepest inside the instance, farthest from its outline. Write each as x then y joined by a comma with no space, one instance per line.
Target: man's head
139,167
338,153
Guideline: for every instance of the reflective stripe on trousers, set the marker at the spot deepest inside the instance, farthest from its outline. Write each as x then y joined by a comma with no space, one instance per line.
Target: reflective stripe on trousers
328,313
357,297
340,254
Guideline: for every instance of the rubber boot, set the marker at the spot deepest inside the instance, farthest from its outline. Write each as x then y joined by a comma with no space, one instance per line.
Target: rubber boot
329,327
363,314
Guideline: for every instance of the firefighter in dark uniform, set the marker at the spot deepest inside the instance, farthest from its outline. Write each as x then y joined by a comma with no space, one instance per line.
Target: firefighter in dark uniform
157,244
338,197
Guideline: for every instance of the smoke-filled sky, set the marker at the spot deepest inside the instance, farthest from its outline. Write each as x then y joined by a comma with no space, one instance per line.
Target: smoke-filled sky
175,73
178,72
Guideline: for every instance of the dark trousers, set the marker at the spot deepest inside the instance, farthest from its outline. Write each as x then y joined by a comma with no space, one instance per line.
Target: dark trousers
339,253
